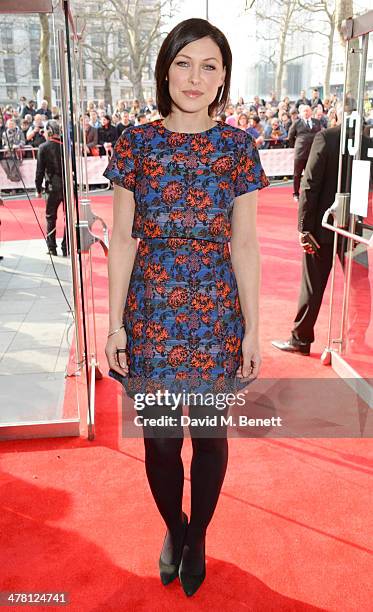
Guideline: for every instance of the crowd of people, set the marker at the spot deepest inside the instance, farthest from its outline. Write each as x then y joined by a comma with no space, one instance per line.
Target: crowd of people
268,121
22,126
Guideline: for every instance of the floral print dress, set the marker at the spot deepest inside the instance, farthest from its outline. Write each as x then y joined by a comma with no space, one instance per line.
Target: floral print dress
182,314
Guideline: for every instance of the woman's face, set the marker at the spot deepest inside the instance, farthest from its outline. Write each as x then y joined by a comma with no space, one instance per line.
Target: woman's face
195,75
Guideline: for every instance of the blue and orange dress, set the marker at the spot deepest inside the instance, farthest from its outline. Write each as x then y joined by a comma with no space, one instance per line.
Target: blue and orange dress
182,314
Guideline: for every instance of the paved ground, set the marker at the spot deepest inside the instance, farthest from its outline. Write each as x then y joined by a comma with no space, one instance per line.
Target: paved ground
35,332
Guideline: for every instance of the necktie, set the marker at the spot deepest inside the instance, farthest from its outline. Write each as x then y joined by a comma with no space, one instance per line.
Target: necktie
310,123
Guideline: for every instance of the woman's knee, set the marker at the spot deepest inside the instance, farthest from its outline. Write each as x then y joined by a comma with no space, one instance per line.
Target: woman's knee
163,449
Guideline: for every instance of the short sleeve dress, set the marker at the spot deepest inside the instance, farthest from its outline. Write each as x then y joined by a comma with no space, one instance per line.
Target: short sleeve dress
182,314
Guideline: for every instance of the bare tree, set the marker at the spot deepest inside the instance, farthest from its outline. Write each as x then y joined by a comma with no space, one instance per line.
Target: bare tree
326,8
120,36
284,19
140,27
44,63
344,10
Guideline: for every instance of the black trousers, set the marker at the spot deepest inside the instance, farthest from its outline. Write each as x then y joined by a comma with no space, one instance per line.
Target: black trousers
54,200
315,275
299,166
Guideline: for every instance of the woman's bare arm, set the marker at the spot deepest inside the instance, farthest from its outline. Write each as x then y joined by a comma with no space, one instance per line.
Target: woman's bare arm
122,253
245,258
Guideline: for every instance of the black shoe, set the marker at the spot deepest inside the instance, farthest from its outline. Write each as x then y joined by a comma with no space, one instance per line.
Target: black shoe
169,571
52,252
64,253
292,346
192,582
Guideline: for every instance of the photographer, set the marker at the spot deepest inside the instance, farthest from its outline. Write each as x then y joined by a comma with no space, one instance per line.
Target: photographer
13,143
49,166
35,135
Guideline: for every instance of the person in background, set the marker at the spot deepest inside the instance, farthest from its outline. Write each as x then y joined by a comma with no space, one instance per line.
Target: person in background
270,113
327,105
91,137
255,130
302,100
274,134
25,126
135,108
272,101
55,113
107,136
13,138
243,122
49,167
232,117
35,135
16,117
29,119
8,113
101,106
301,135
319,114
256,104
94,120
262,116
332,117
124,122
315,99
29,109
141,119
150,106
120,107
22,104
319,187
44,110
90,106
285,122
286,104
294,115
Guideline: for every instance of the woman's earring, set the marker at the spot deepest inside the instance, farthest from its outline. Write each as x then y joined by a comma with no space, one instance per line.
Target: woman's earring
221,94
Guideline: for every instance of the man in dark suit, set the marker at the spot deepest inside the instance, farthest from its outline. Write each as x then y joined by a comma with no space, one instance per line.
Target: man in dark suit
302,100
301,135
316,100
319,187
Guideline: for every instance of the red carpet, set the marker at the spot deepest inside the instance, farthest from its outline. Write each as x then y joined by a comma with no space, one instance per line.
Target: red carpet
291,530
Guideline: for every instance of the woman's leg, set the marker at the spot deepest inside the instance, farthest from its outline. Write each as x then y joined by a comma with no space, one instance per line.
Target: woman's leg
208,468
165,473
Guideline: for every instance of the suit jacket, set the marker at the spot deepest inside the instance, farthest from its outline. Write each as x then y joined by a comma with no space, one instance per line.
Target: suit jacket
301,137
91,137
319,184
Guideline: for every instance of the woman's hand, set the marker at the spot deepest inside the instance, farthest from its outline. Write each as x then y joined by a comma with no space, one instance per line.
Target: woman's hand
251,359
115,342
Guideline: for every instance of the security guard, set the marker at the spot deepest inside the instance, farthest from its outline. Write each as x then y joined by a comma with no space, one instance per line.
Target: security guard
49,166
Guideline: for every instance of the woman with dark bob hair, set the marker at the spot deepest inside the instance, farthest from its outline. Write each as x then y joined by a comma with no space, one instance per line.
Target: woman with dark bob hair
183,306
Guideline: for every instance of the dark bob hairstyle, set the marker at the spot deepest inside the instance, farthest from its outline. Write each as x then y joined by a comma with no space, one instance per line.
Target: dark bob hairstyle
184,33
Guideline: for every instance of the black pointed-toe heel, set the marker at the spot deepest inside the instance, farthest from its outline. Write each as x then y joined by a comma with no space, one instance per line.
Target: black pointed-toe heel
192,582
169,571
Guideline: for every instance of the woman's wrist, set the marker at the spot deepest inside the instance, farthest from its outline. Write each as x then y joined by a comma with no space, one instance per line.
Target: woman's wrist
252,332
111,332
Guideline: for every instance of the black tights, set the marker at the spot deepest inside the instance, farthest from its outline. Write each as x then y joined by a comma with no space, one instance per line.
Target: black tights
165,473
